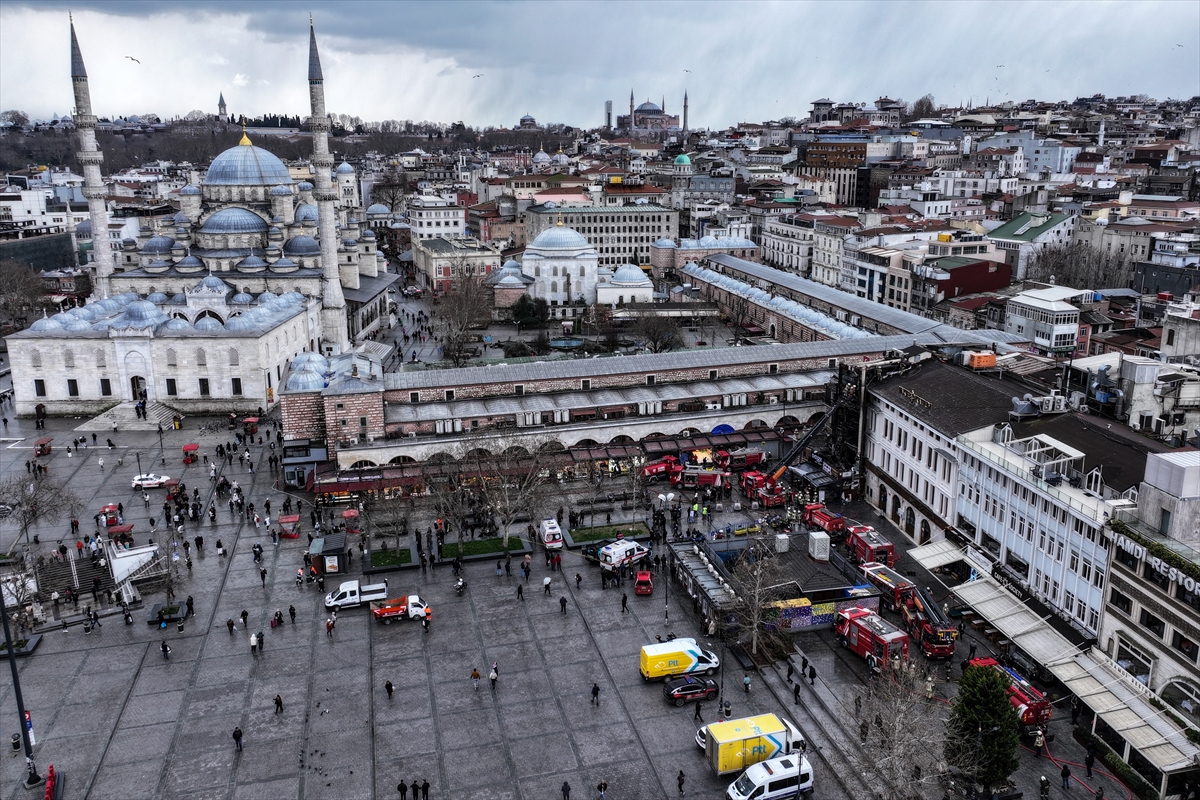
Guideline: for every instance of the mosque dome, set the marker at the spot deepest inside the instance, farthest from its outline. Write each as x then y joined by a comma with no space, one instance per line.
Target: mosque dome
213,283
241,299
189,190
158,244
247,165
309,357
266,297
142,314
541,157
234,220
241,323
560,238
560,158
306,212
628,274
190,261
281,191
156,297
648,108
284,264
682,160
180,324
208,324
304,186
251,263
378,208
345,169
510,281
77,325
302,246
180,299
306,379
83,227
664,242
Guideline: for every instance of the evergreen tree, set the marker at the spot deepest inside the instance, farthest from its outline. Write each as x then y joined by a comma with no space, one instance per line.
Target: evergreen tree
982,733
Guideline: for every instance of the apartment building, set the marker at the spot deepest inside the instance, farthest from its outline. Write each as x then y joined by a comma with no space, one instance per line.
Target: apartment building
620,234
433,217
829,234
787,242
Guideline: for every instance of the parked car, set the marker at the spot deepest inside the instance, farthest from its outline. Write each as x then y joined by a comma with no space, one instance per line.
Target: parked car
149,480
685,690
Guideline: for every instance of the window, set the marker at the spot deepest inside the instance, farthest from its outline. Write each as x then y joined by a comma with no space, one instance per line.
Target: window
172,357
236,386
35,359
649,380
1160,579
171,389
69,358
414,397
772,369
101,359
712,374
105,387
449,395
362,422
233,358
204,387
72,387
519,390
585,384
1152,623
1184,645
201,358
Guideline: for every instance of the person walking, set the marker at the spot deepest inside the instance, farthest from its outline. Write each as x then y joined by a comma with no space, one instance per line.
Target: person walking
229,624
278,704
1074,710
292,613
245,618
790,670
100,461
971,651
601,790
475,679
562,602
166,649
812,674
402,788
492,676
796,693
624,602
424,790
1039,742
596,694
566,787
546,585
1066,776
387,687
578,580
416,787
520,592
746,683
679,780
929,688
237,739
191,606
697,716
262,573
1088,762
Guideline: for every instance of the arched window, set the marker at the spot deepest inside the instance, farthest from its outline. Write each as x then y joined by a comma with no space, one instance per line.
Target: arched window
69,358
554,271
579,287
101,358
172,358
201,358
582,273
35,359
553,287
537,272
233,357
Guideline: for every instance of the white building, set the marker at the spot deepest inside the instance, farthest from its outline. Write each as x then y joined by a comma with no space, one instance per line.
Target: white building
436,217
564,268
1048,317
629,284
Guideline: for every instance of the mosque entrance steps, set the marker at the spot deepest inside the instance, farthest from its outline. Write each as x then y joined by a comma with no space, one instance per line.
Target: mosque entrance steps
126,418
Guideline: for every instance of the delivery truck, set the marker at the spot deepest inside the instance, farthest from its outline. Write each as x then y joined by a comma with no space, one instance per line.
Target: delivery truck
677,657
351,594
735,744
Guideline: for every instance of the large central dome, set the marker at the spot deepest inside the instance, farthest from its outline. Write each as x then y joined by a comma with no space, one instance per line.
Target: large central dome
247,165
559,238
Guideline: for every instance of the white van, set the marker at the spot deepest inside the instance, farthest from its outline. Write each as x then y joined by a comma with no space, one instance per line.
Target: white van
622,553
775,779
550,534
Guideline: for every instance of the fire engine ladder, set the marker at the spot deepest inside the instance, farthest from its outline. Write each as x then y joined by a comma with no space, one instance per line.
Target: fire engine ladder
798,448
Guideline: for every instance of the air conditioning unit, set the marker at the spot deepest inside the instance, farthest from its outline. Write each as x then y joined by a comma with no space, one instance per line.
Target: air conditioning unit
412,434
773,399
1135,426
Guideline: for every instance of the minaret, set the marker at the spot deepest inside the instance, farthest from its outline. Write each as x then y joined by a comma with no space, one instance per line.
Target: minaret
685,111
221,113
632,125
333,313
90,158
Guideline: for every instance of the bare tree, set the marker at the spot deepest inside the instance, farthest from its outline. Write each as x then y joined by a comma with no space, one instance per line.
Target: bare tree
18,119
390,517
739,312
468,305
922,108
1080,265
390,189
659,334
904,728
453,499
37,500
514,481
759,579
22,289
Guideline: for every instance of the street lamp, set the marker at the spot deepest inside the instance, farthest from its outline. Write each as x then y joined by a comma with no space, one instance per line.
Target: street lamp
161,452
31,777
138,455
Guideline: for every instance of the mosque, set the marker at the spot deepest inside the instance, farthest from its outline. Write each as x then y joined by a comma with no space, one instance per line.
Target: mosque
652,117
204,312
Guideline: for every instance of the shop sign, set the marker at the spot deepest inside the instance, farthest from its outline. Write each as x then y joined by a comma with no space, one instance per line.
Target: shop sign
1136,550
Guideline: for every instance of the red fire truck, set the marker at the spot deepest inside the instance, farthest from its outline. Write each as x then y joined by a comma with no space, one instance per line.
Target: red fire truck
894,587
759,487
867,544
659,469
738,460
871,636
816,515
1033,709
690,477
928,625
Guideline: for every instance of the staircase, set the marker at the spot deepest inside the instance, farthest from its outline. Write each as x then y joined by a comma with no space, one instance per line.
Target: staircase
76,574
126,418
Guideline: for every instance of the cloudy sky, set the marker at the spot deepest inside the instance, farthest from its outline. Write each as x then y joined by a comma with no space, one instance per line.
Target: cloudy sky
560,61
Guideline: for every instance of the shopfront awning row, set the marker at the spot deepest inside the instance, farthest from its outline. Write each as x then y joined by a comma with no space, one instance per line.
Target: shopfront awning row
658,447
1117,698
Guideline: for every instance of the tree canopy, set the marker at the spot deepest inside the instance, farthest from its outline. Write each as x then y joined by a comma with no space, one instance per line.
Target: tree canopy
982,734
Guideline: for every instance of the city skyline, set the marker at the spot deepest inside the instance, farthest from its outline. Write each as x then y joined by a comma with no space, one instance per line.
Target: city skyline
505,63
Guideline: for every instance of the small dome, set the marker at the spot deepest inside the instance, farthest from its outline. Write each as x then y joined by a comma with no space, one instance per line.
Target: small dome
156,297
234,220
306,212
190,261
345,169
158,245
102,325
251,263
180,218
512,263
368,234
281,191
510,281
208,324
560,238
305,380
141,314
241,299
664,242
83,227
127,242
308,357
682,160
247,165
180,299
709,241
302,246
378,208
304,186
189,190
284,264
628,274
179,324
560,158
213,283
77,325
267,297
348,242
541,157
241,323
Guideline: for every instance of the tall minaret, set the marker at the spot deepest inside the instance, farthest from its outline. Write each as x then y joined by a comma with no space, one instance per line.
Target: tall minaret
221,113
90,158
685,111
632,126
333,313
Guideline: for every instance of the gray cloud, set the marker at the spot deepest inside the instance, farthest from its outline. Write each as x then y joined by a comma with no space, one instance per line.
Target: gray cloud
561,60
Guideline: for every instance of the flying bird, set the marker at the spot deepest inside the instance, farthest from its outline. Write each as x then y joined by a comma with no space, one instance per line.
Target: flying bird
688,70
480,75
131,58
1179,45
999,66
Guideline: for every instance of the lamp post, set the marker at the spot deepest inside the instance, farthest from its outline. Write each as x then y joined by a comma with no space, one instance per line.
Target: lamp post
161,452
138,455
31,777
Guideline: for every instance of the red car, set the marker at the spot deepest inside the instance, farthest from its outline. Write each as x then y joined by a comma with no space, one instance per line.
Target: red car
643,583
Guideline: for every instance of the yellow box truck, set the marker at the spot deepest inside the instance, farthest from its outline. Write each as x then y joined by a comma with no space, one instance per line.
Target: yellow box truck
733,745
677,657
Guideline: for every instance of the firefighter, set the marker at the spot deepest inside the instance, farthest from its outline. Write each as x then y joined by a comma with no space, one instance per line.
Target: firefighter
1044,788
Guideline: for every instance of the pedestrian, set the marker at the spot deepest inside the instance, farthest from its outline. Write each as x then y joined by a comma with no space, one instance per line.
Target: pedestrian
492,676
328,627
697,716
1066,776
1075,710
292,613
601,789
416,787
100,461
971,651
566,787
1089,761
679,780
596,694
812,674
402,788
237,738
424,790
262,573
521,592
790,670
254,643
245,618
229,624
562,602
746,683
278,704
475,679
624,602
166,649
387,687
546,585
929,688
1039,742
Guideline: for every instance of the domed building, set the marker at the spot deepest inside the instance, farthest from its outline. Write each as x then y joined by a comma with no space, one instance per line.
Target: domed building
564,268
628,284
648,117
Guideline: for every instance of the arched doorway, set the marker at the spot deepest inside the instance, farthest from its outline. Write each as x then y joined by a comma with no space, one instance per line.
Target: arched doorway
925,535
896,509
883,498
910,521
137,388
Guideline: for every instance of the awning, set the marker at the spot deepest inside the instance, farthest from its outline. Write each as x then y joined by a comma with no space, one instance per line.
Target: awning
1108,690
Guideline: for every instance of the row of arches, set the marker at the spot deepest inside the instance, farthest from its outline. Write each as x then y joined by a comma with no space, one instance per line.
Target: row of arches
905,516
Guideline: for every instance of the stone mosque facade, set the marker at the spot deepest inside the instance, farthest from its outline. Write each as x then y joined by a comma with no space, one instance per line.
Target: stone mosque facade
204,312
